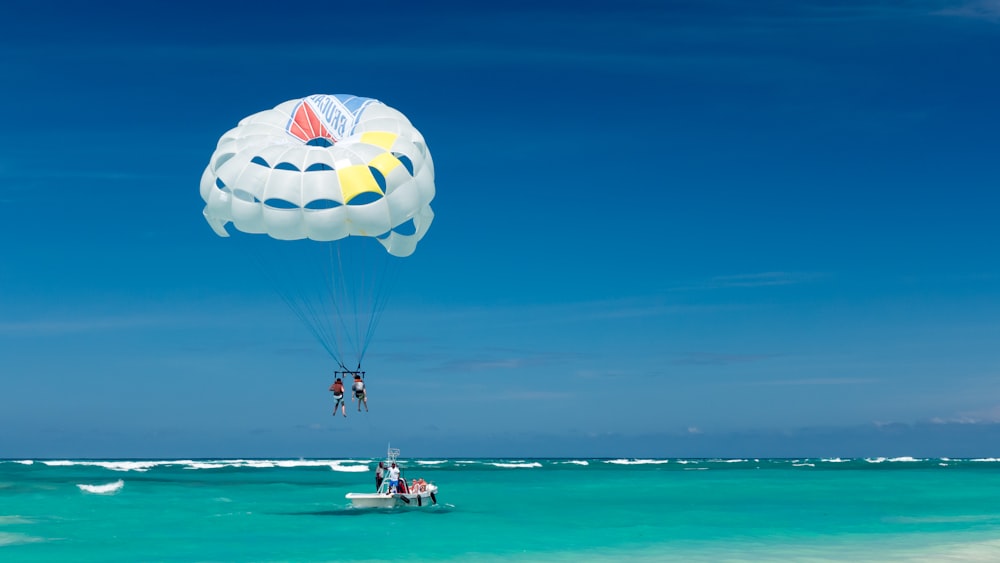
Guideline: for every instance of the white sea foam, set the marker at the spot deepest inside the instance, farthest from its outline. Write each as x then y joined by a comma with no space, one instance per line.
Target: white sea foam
7,520
112,465
17,539
130,465
986,459
685,461
25,462
205,465
60,463
219,463
338,466
638,461
874,459
803,465
213,464
905,459
431,462
243,464
513,465
834,460
961,518
695,469
259,464
106,489
574,462
289,463
268,463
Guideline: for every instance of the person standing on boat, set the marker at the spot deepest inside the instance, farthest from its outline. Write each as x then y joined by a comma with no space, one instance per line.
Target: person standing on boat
379,476
338,394
360,393
393,478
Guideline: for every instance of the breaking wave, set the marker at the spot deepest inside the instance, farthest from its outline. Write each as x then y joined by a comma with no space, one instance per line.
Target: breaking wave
106,489
637,461
361,465
516,464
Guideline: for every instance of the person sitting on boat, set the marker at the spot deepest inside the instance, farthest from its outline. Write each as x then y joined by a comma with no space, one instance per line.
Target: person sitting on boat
338,394
393,478
359,392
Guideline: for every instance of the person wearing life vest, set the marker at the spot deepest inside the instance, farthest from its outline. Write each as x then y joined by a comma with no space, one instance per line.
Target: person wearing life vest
338,394
359,392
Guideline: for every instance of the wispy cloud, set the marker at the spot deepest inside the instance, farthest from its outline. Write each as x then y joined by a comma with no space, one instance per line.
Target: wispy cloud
71,174
819,381
760,279
534,395
772,12
978,9
982,416
718,359
486,365
428,55
61,326
92,323
576,312
763,279
594,374
508,360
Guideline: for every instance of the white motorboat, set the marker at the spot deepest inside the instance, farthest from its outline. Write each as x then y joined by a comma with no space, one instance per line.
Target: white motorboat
416,493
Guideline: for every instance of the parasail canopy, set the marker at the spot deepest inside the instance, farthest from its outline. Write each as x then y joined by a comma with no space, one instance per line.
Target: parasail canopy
323,167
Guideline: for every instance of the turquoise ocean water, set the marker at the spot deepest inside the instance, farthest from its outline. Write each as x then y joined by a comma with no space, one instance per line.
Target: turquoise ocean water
496,509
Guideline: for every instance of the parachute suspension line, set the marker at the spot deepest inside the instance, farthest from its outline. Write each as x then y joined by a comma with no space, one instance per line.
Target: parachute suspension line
314,310
330,294
311,311
299,306
380,299
359,297
368,288
342,295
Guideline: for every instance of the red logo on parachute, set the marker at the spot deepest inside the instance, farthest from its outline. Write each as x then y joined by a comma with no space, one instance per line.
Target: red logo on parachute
307,126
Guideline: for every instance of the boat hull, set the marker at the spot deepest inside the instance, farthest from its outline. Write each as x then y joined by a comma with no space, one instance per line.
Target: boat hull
390,500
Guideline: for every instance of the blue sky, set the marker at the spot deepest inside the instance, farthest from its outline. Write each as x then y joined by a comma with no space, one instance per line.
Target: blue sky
662,229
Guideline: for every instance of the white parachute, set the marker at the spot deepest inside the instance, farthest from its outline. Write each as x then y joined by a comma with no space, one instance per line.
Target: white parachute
321,169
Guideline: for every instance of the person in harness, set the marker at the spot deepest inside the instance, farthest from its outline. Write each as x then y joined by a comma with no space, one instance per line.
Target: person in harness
338,394
359,392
